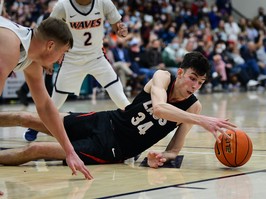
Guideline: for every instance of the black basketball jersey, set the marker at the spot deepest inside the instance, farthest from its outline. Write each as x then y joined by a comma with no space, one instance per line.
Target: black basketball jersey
137,129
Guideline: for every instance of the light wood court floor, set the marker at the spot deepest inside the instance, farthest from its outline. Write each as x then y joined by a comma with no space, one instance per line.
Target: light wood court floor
200,176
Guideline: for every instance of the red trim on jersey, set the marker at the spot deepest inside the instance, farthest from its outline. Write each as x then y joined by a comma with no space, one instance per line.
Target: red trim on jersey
171,90
95,158
86,114
105,55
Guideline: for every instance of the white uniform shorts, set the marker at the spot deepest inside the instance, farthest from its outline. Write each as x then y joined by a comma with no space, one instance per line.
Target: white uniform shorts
74,70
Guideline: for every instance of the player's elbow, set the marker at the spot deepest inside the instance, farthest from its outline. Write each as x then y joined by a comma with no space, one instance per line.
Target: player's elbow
158,110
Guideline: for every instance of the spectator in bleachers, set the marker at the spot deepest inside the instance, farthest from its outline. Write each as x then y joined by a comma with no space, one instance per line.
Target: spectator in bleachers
134,54
261,55
261,50
207,40
145,31
122,63
151,59
149,20
168,35
224,6
251,32
169,56
221,66
238,72
261,15
231,28
214,16
198,8
248,52
188,45
242,23
219,32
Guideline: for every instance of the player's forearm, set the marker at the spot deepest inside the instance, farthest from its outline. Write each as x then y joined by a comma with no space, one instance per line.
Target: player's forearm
171,113
52,121
170,155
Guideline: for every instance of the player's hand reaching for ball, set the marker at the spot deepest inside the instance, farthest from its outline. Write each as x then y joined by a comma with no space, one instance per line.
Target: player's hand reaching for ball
76,164
155,159
122,30
216,126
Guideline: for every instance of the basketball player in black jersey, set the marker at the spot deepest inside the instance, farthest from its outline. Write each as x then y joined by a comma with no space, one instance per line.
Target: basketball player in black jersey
165,104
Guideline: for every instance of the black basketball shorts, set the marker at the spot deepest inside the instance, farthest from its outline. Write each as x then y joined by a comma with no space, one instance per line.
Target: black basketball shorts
92,137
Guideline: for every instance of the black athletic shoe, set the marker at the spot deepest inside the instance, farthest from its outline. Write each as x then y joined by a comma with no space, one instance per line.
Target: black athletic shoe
22,97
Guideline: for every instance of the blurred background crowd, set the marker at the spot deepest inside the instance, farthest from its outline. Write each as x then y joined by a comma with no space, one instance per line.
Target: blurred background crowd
161,32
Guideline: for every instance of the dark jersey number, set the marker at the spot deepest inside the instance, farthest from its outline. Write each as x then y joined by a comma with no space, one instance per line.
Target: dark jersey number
87,41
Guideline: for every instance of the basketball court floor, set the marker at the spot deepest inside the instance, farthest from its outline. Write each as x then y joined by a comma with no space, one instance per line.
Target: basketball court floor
200,176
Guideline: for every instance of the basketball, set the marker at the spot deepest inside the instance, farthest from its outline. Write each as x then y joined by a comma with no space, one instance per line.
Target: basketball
236,151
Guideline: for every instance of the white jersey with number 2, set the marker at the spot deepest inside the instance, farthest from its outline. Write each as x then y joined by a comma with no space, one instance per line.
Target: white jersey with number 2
87,24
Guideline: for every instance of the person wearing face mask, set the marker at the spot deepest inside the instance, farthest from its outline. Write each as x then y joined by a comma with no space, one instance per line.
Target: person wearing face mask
122,64
214,17
221,66
220,69
168,35
151,59
170,54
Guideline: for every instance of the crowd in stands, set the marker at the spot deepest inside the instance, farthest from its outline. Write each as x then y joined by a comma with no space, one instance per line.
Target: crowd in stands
161,32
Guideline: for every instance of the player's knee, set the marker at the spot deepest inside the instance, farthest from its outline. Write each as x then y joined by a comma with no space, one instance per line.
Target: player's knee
33,150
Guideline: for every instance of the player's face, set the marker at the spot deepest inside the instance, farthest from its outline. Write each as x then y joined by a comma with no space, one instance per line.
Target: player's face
190,81
51,56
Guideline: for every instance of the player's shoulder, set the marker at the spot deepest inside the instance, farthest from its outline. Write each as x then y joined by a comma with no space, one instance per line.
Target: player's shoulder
162,75
11,43
10,37
106,3
60,4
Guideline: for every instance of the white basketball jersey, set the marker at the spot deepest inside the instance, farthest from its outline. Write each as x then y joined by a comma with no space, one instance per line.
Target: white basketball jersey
86,24
24,34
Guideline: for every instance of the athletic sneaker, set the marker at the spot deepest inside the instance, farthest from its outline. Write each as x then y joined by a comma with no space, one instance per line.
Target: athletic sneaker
30,135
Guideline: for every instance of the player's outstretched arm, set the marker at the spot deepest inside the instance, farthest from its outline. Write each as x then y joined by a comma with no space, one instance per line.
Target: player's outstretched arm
161,109
51,119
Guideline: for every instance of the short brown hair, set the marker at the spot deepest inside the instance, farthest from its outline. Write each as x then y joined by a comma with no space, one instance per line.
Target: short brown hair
55,29
197,62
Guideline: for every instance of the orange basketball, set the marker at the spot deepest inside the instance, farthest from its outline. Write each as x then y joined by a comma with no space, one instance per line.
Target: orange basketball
236,151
